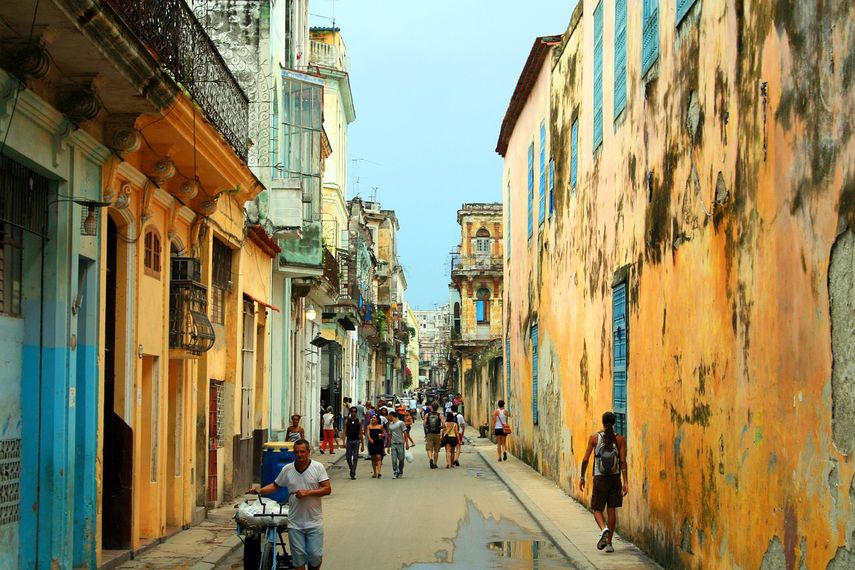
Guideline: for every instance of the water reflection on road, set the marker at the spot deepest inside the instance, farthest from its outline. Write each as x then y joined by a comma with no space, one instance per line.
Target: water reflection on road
489,543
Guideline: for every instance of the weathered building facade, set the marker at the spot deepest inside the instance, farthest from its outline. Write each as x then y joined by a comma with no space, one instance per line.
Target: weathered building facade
434,345
476,273
688,264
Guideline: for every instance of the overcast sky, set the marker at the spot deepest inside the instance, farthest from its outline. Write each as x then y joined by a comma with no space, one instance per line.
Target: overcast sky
431,82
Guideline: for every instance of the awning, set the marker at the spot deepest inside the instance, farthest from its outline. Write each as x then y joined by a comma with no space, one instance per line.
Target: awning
260,302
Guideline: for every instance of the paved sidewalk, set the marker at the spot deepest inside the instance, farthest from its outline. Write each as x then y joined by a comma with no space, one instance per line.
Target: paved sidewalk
203,546
567,523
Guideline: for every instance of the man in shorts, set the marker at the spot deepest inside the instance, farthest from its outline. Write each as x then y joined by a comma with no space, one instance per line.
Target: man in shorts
433,423
307,482
610,482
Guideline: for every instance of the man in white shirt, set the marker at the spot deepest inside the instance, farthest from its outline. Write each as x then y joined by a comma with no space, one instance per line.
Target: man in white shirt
307,481
461,427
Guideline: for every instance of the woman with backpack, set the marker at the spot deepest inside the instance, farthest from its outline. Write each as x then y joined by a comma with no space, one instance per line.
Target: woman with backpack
610,482
501,429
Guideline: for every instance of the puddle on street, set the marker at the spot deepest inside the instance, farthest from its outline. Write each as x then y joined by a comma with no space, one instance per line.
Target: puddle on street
501,544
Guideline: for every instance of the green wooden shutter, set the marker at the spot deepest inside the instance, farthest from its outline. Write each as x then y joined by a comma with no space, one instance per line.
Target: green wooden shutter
598,76
541,203
530,189
683,7
620,57
650,35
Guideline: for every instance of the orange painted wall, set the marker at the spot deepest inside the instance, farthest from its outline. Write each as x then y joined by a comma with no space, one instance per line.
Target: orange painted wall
719,194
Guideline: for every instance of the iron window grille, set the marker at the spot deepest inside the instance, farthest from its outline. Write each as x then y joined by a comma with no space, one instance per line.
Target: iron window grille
11,262
189,327
23,197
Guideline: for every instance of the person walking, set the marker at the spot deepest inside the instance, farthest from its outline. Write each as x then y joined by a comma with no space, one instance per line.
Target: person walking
461,427
449,439
295,430
433,434
328,420
307,483
353,434
610,482
501,429
360,411
408,422
376,444
397,430
384,419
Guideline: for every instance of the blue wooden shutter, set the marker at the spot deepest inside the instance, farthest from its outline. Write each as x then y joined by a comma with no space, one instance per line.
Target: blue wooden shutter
508,366
682,9
650,35
598,76
574,152
620,341
551,186
534,341
620,57
530,188
541,212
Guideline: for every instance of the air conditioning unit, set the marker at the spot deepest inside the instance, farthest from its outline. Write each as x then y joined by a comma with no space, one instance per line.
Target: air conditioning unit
286,205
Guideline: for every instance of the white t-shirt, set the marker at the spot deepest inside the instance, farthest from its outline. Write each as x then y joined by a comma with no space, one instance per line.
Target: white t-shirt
328,420
461,422
306,512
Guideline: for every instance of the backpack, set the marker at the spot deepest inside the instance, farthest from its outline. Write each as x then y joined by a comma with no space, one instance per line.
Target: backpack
434,425
607,457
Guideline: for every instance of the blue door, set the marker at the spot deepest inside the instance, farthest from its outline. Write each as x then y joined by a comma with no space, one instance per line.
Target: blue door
620,339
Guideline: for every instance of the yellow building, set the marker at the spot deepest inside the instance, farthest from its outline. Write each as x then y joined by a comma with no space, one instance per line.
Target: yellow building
476,309
686,261
186,292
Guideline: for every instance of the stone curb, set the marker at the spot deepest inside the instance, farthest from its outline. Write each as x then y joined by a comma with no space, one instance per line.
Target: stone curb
218,554
565,545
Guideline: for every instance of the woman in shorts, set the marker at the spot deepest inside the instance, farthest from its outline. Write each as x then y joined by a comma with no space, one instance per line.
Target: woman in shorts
500,420
449,438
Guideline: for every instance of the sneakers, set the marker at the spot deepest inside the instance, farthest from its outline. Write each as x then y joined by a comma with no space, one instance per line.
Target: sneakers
505,455
352,476
322,452
609,547
605,535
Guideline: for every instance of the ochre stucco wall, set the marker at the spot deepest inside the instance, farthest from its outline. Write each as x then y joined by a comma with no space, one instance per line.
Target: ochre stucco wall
719,195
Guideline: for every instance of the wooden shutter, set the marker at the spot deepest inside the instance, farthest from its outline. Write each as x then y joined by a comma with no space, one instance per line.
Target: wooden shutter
620,58
598,76
534,347
650,35
574,152
619,348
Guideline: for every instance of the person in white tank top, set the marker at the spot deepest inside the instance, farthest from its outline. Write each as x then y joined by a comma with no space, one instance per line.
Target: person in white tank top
500,420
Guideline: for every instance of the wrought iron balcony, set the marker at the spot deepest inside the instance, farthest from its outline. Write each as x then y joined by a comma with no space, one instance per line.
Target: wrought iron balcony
179,42
189,327
331,269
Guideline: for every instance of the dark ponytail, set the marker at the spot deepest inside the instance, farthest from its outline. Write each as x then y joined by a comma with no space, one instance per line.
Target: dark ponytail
609,429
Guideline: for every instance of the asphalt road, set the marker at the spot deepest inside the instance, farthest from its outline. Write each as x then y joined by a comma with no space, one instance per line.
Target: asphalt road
431,518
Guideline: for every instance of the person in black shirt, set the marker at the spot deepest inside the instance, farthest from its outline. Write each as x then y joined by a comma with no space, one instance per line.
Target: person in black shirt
353,440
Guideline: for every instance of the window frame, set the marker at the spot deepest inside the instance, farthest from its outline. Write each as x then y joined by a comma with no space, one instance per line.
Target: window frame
152,253
11,269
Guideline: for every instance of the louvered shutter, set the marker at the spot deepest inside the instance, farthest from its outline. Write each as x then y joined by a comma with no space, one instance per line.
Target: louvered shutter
620,58
598,76
650,35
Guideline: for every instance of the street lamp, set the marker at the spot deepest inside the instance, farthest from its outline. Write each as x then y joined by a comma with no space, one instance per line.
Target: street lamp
311,314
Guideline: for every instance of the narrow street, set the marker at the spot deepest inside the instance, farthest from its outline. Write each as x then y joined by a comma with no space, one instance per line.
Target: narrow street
450,518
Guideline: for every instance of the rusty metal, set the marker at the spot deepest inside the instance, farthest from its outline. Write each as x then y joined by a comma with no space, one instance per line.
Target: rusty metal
179,42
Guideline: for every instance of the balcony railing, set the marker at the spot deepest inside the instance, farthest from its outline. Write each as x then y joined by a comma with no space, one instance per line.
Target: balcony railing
475,264
328,55
179,42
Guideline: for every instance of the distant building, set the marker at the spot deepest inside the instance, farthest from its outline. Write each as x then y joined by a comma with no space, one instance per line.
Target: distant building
434,336
476,306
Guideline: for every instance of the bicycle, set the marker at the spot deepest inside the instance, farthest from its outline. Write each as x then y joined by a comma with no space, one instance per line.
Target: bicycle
270,524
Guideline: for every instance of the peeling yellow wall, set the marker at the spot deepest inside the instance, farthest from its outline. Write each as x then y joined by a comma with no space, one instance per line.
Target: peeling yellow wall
722,195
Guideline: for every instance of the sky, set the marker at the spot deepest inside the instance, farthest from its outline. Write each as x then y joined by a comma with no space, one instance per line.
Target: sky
431,82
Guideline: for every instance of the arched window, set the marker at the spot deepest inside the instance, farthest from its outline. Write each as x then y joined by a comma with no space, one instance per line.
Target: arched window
482,306
482,242
151,257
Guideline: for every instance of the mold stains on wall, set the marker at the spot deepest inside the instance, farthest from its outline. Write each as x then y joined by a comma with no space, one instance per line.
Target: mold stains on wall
584,379
657,216
841,294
